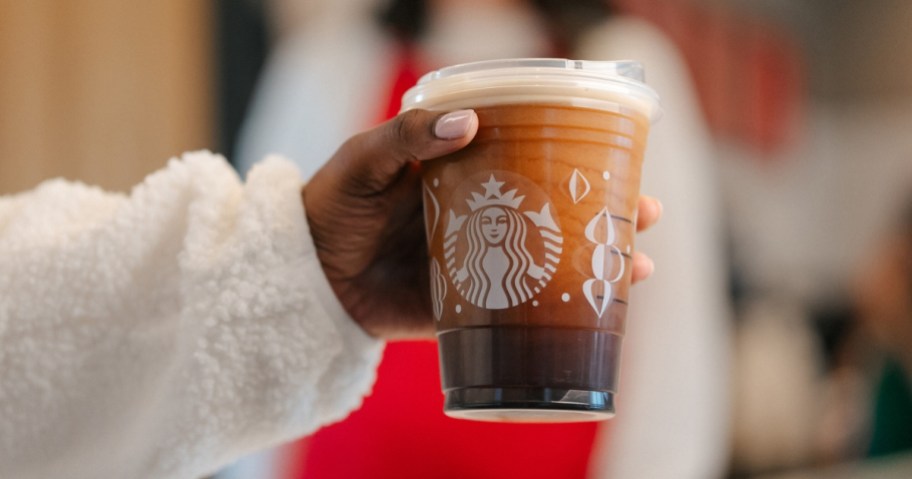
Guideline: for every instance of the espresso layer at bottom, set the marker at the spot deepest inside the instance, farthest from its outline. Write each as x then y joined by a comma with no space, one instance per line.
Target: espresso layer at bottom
529,357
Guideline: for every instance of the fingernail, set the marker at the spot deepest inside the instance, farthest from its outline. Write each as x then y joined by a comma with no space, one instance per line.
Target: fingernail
453,125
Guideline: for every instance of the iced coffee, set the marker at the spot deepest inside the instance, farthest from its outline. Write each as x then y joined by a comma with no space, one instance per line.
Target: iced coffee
530,232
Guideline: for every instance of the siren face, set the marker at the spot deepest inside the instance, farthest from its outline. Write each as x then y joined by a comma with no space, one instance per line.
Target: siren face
494,225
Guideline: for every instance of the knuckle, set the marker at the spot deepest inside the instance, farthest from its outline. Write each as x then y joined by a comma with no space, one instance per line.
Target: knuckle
407,127
356,166
371,160
405,138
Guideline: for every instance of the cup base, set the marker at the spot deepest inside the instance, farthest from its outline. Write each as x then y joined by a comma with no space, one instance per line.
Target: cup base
529,405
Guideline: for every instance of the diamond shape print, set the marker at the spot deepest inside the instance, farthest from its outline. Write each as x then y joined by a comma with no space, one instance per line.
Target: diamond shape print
578,186
598,293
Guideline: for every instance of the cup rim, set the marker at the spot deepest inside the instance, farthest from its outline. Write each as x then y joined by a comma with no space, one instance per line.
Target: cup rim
538,80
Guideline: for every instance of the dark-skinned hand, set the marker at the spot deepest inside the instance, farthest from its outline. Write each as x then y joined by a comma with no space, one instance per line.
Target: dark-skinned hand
364,211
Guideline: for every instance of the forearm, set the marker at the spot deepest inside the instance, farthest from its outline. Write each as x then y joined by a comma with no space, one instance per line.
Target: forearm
169,331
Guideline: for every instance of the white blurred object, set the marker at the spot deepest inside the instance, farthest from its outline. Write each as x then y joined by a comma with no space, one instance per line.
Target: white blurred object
803,219
466,31
672,413
777,388
321,86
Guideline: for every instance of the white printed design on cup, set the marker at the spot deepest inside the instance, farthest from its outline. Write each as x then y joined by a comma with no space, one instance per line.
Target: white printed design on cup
431,210
578,186
598,290
438,289
504,262
438,281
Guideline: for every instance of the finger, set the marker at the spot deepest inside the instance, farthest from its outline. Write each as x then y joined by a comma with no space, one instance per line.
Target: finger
377,157
649,211
642,267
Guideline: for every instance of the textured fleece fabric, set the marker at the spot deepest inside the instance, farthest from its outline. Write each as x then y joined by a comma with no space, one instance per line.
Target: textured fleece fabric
165,333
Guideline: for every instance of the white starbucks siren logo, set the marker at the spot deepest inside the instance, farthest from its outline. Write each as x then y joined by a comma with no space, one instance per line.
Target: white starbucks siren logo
507,255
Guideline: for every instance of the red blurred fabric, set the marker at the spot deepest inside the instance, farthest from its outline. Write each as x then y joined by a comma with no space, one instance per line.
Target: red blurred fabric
749,72
401,432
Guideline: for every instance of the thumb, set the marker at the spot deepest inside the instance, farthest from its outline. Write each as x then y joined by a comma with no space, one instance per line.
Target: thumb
378,156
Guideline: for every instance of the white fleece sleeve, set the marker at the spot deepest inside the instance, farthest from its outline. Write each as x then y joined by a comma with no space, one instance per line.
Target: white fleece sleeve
165,333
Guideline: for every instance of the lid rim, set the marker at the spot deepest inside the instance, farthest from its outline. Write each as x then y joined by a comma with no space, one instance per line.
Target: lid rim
598,80
630,69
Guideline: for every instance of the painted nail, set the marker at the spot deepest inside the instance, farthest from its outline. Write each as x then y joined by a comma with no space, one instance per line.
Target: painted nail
453,125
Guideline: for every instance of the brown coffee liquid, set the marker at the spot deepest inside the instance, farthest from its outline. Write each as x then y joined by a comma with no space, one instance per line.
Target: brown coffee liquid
531,235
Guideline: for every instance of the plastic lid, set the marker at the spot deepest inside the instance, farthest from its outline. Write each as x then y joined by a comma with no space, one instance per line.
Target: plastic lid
593,84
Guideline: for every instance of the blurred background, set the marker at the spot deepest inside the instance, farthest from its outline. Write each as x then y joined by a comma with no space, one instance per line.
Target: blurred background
775,340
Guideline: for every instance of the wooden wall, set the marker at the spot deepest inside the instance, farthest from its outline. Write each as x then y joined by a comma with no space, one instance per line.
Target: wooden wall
103,91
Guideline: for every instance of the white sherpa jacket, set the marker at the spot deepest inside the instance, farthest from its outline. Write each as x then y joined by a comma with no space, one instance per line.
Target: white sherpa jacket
165,333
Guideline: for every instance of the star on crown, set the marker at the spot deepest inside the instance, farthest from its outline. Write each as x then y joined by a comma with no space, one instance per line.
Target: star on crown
493,196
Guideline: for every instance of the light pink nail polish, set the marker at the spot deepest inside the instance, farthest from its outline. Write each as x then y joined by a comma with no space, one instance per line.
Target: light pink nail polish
454,124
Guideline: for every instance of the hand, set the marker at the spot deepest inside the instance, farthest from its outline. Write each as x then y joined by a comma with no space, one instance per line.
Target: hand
364,211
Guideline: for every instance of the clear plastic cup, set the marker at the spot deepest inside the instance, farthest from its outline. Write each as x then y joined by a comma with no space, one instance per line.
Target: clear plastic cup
530,232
